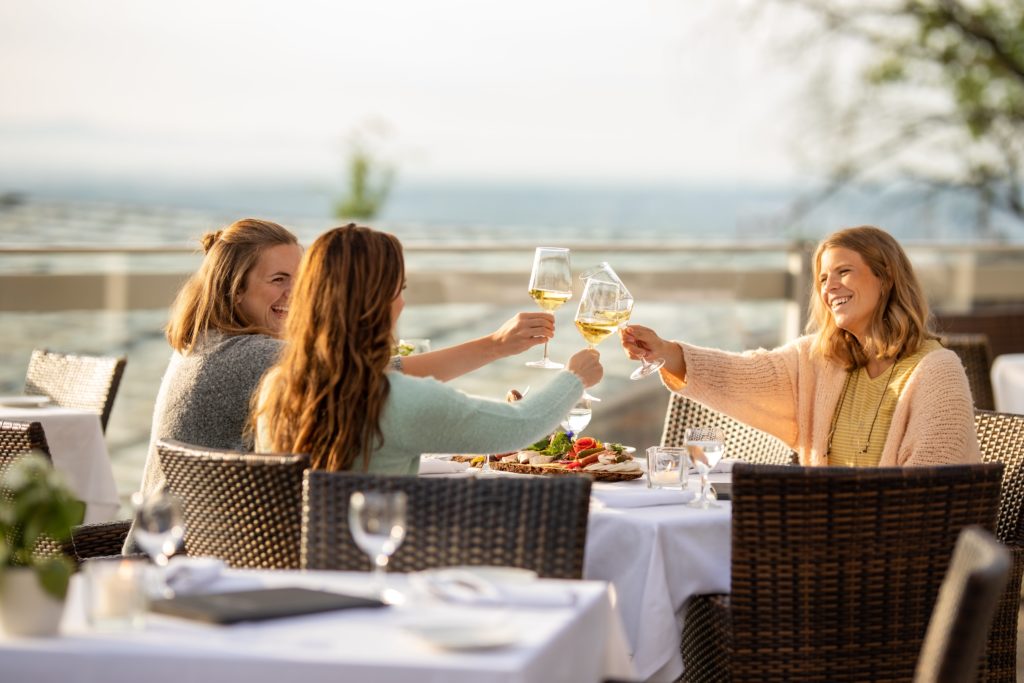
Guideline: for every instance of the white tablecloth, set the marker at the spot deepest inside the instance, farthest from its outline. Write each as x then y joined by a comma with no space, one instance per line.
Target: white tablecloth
78,451
656,558
1008,383
583,642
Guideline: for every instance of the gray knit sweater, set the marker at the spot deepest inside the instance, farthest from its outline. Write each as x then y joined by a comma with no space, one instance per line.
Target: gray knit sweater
204,396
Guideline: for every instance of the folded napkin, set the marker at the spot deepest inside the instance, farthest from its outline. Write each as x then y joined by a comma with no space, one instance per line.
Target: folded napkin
635,494
439,466
464,586
724,466
186,575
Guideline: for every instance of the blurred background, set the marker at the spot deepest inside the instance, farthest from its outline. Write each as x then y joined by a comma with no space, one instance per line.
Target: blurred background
701,148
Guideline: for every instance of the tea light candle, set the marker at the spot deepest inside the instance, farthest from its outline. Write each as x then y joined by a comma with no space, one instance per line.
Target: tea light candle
665,478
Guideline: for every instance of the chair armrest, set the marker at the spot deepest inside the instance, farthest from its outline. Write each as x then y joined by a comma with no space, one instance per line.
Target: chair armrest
97,540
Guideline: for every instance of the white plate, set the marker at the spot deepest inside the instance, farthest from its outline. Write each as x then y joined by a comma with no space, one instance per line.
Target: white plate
24,401
451,633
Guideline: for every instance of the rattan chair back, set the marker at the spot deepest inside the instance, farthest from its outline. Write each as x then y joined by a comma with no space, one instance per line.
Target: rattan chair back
741,440
74,381
1003,325
835,570
1001,439
244,508
537,523
18,439
955,640
976,357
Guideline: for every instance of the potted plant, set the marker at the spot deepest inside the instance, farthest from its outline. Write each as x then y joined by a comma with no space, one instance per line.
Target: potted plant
36,507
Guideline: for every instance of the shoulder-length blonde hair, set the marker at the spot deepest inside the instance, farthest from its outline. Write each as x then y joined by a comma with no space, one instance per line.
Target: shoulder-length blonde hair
207,300
327,392
900,322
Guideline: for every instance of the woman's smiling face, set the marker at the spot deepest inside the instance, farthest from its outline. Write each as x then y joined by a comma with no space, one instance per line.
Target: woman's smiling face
268,287
849,289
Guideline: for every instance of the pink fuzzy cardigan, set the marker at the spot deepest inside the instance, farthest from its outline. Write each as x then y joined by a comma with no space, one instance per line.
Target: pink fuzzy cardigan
792,394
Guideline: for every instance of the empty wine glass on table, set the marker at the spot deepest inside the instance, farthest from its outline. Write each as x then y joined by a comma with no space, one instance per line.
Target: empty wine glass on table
377,523
705,447
578,418
604,307
158,530
550,287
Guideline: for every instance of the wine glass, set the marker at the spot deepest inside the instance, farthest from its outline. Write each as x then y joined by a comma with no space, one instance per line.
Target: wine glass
377,523
604,307
705,446
577,419
158,530
550,287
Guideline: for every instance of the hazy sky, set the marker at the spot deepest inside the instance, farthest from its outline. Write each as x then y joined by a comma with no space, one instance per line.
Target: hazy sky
535,89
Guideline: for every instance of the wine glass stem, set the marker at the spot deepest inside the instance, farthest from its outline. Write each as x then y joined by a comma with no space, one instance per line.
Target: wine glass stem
379,581
545,351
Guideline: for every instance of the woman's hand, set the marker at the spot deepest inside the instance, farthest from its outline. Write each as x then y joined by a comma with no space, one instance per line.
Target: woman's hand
523,331
586,365
643,342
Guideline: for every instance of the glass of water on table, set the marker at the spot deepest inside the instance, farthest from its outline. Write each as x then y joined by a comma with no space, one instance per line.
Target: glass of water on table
705,447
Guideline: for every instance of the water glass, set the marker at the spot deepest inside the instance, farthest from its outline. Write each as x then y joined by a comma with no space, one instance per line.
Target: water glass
377,523
666,467
705,447
115,593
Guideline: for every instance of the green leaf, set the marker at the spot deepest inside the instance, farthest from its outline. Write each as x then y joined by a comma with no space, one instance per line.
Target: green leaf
54,575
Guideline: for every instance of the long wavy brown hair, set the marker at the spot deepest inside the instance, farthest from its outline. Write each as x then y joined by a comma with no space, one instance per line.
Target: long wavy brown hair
327,392
207,300
900,323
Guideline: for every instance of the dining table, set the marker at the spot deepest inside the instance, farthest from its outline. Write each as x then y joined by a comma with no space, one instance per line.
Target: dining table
657,554
557,631
1008,383
654,550
79,451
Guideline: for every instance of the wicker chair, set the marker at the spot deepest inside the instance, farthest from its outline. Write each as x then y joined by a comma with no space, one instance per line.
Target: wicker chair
537,523
1001,439
86,382
976,357
17,439
1004,326
955,639
834,571
241,507
742,440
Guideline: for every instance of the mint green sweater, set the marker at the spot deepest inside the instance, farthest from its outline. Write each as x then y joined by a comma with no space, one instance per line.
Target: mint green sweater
423,415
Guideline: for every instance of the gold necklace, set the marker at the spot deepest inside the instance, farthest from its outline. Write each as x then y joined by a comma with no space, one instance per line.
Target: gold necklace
842,400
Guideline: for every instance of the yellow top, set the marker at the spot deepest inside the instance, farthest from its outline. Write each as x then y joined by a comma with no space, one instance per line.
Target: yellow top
855,443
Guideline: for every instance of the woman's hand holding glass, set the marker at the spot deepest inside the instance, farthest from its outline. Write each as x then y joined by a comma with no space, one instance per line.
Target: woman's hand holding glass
586,364
641,342
523,331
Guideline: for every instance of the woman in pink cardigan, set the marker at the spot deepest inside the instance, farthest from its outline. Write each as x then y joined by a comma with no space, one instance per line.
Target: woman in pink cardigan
869,385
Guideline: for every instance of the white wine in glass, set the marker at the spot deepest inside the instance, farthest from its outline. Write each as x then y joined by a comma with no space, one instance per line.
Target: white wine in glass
604,307
550,286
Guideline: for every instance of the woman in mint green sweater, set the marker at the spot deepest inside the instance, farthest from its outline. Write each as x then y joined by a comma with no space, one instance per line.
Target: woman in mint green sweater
331,393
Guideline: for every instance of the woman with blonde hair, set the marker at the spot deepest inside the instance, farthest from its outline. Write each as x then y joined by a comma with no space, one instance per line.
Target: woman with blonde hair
869,385
225,330
334,395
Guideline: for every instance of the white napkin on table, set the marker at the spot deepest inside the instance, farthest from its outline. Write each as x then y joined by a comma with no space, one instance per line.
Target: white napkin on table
186,575
635,494
464,586
724,466
441,466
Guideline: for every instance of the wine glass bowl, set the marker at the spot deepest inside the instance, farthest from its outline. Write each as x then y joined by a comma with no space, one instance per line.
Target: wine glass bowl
604,307
705,447
578,418
377,523
550,287
159,524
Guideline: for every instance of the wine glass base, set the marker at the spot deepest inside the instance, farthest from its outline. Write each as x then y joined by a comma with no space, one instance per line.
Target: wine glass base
545,364
647,370
588,397
703,503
